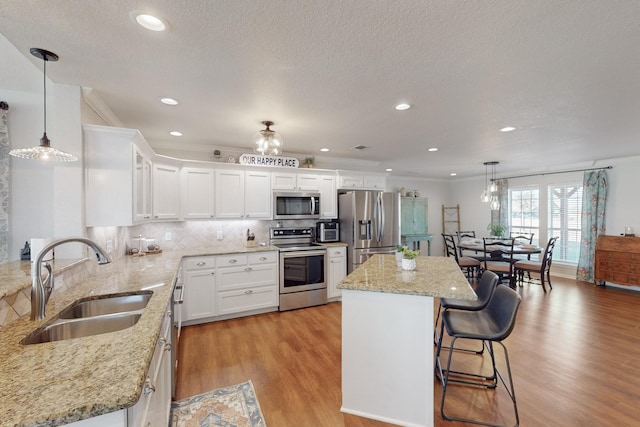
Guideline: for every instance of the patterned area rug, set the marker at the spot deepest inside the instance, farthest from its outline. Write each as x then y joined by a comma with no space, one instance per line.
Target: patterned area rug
234,406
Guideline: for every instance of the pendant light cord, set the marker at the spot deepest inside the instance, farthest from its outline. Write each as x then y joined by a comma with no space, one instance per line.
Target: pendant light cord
44,84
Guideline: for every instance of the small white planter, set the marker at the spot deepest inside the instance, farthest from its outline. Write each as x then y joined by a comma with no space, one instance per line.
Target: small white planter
408,264
399,256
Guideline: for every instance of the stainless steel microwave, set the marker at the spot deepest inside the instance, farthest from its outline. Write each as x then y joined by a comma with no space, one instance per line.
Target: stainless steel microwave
296,205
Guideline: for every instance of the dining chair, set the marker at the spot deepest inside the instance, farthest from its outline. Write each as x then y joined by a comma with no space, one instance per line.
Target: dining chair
498,257
492,324
484,291
469,265
542,267
466,235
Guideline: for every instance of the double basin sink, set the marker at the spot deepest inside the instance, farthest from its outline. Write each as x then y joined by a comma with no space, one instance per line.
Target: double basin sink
92,316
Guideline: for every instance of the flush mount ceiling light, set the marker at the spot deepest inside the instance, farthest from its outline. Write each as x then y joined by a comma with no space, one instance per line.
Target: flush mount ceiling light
507,129
175,133
168,101
432,149
402,106
44,152
324,150
148,21
267,141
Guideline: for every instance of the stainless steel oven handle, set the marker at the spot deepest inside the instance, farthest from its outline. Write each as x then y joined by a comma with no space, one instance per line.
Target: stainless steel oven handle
298,254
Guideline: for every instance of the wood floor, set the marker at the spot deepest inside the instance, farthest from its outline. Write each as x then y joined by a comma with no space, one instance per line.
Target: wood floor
575,357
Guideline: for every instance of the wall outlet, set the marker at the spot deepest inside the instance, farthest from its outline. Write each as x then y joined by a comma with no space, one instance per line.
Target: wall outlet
109,247
219,235
167,236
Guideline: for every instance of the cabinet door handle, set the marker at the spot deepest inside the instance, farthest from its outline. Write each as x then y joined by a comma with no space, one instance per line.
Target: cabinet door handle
212,273
248,269
249,291
148,387
201,263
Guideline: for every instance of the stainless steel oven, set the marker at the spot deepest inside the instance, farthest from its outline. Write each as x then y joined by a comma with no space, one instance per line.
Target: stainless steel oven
303,268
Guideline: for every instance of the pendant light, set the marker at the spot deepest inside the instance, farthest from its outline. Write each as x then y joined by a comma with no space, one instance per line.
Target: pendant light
485,197
44,152
267,141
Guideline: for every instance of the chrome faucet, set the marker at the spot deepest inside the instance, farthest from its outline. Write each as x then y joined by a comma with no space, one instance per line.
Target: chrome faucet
41,290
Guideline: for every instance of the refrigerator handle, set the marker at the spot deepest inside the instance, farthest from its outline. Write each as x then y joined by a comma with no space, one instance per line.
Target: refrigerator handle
382,218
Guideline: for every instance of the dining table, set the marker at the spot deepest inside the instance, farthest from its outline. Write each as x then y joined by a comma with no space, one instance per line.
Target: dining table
477,245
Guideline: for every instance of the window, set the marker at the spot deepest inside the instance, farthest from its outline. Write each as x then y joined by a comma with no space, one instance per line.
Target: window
524,211
565,220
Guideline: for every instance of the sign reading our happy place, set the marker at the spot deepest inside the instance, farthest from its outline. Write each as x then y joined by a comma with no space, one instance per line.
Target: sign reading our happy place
268,161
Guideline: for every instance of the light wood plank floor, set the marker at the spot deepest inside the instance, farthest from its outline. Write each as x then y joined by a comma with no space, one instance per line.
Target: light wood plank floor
575,356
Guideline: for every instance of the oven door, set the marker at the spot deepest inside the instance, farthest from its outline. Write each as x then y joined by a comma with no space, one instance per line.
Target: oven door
302,270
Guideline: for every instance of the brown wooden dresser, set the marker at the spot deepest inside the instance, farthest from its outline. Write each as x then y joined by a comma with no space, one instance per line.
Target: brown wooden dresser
617,260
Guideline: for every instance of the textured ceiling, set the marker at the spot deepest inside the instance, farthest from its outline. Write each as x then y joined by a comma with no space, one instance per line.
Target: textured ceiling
328,73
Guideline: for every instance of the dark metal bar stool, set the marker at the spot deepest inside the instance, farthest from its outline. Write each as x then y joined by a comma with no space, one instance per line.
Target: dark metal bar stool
490,325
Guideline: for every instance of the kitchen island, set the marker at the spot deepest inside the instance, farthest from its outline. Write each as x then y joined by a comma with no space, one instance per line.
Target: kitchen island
387,336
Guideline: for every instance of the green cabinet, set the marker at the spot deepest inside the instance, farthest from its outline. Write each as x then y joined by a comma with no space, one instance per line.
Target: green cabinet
413,215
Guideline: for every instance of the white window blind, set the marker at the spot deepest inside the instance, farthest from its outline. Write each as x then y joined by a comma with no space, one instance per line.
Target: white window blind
524,211
565,220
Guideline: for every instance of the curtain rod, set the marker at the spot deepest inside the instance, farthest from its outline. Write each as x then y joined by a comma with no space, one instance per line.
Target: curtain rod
553,173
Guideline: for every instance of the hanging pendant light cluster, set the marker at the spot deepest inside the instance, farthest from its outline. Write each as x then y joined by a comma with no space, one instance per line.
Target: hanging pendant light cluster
490,193
44,152
267,141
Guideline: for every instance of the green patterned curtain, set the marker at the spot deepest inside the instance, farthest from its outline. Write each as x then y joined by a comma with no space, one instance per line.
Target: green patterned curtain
594,200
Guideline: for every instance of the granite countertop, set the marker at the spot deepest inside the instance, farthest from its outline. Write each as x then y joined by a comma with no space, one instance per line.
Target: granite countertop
433,277
56,383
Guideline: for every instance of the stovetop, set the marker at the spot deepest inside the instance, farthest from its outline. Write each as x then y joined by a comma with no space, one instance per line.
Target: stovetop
293,238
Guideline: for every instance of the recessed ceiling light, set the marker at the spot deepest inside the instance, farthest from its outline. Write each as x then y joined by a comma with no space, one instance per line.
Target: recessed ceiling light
324,149
168,101
175,133
453,174
388,169
433,149
149,22
402,106
507,129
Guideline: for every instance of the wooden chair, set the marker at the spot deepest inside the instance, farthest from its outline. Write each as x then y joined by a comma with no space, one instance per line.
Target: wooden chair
498,257
542,267
469,265
468,235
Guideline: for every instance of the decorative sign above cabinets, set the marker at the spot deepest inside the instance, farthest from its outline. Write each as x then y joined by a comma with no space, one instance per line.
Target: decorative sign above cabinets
268,161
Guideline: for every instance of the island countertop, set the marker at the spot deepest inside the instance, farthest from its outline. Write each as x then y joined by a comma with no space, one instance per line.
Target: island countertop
433,277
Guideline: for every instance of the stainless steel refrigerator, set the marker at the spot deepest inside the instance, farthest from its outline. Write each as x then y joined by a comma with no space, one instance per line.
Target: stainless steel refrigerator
369,223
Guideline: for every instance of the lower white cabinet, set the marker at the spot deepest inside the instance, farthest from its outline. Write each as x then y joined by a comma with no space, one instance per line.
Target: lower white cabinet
337,270
199,288
246,282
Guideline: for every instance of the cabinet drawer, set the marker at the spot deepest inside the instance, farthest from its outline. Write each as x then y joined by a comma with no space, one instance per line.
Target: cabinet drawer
336,252
263,258
245,277
253,298
232,260
199,263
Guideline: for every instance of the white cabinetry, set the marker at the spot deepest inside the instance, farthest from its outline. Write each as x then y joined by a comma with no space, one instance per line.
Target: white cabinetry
166,191
199,288
242,194
337,269
295,181
357,181
246,282
118,173
328,197
197,193
155,402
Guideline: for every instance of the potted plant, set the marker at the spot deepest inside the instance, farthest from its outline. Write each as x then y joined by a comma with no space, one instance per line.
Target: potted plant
497,229
217,154
309,162
400,253
409,259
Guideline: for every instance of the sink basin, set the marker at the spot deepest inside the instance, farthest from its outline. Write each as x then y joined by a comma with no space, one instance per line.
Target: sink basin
84,327
106,304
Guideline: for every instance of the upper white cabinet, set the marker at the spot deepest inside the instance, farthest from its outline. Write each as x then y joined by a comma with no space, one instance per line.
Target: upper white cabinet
197,193
295,181
166,191
356,181
118,176
328,197
242,194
